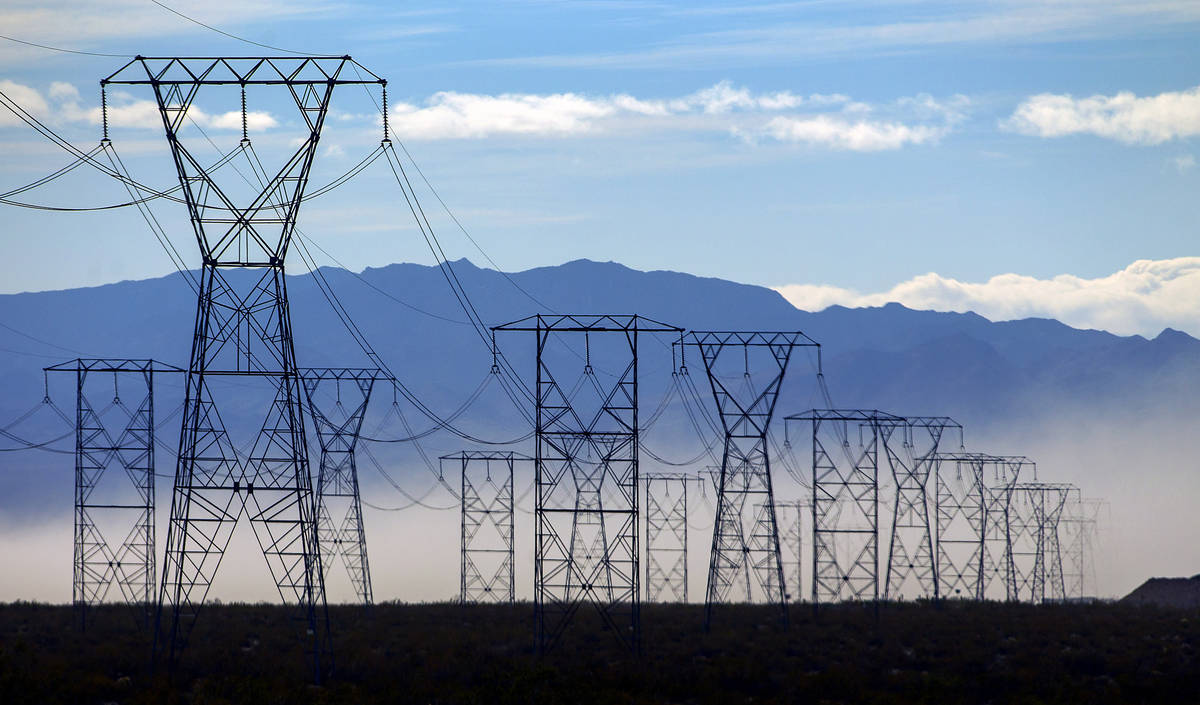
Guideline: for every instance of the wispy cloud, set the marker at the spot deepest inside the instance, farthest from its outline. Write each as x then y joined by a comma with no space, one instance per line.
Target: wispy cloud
1143,298
1124,117
881,27
831,121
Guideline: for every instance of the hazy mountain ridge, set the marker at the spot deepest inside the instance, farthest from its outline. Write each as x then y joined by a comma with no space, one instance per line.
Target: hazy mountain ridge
889,357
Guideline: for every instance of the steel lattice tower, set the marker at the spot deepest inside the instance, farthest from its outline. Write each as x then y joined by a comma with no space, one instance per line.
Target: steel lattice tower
337,476
488,560
911,563
1035,515
973,543
243,330
586,475
1079,531
103,444
791,539
745,546
666,517
845,504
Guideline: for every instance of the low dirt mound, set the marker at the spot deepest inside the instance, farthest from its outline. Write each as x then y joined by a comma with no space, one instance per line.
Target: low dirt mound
1167,592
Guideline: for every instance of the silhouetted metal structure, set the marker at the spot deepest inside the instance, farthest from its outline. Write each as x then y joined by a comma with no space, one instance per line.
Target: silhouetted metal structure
114,440
486,568
337,493
1034,519
243,330
1079,534
845,504
911,563
586,474
745,546
791,540
973,541
666,516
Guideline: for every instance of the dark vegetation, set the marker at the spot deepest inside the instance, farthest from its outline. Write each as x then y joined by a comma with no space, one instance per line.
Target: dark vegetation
441,653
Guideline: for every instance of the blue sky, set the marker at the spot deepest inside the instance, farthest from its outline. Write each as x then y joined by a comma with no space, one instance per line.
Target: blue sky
845,148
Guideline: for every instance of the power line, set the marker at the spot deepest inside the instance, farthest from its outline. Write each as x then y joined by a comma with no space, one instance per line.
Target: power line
193,20
65,51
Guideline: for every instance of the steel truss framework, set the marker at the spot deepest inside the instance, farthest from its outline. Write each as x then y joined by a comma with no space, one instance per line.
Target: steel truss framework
845,501
791,540
586,480
337,476
973,541
1034,521
666,517
911,562
745,547
1079,533
243,329
486,568
101,446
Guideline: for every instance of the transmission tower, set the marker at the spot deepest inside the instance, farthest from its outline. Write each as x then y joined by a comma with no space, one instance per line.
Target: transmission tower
973,543
845,504
243,331
666,516
107,437
911,565
586,472
1079,532
791,539
338,427
486,568
1035,516
745,546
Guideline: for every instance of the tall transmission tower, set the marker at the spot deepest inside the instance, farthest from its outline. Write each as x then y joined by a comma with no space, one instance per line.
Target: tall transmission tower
243,331
911,563
845,477
666,517
487,551
973,543
745,560
114,453
338,427
586,472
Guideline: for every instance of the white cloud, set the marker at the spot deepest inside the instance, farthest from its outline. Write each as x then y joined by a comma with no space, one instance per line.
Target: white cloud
829,120
62,106
858,136
1124,117
1184,163
1143,298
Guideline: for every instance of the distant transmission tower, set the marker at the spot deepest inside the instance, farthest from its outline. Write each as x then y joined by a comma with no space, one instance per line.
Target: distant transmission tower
746,561
791,539
243,333
666,516
911,564
845,477
118,438
586,472
487,552
338,427
1034,520
1079,535
973,543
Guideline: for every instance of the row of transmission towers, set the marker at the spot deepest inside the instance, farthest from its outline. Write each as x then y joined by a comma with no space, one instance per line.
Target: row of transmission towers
590,497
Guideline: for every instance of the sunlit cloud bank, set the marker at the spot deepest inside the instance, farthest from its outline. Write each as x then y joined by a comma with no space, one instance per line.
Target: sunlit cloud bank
1141,299
831,121
1123,117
